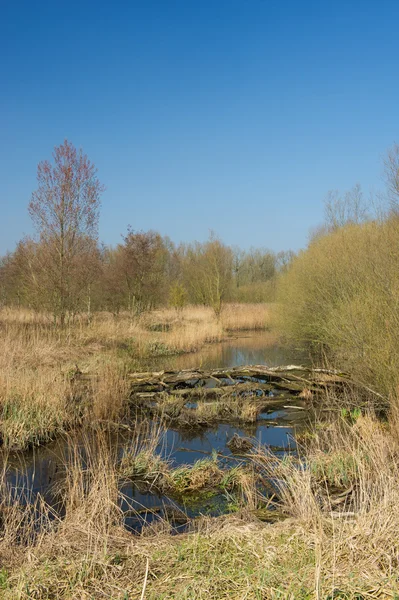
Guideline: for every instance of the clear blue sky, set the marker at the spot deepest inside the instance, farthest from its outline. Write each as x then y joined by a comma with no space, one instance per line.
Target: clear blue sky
231,115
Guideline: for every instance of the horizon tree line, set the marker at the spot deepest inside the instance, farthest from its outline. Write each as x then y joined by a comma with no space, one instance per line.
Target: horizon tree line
65,270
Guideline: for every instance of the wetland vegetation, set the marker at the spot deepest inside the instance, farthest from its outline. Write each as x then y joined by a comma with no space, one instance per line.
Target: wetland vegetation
144,457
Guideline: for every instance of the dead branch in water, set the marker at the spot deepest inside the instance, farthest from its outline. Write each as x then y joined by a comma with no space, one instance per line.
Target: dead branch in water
241,380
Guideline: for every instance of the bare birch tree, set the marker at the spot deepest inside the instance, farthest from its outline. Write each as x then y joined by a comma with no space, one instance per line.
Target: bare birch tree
65,210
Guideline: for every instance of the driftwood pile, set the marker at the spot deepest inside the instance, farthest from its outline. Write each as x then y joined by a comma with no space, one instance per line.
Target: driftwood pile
257,380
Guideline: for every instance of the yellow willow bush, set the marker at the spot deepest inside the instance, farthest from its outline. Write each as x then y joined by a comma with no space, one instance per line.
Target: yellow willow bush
341,295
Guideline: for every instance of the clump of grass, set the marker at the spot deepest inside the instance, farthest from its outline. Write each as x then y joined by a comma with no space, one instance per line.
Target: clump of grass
169,406
242,480
337,469
90,491
207,477
146,466
34,409
203,474
249,411
230,407
142,459
110,391
238,444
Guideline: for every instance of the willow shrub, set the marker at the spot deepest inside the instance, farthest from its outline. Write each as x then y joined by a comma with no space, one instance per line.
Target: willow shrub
341,295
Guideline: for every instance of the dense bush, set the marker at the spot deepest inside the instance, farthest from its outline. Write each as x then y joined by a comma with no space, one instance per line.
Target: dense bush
341,296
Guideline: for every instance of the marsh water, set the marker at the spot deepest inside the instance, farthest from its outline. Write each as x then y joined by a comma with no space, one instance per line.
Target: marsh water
257,348
41,471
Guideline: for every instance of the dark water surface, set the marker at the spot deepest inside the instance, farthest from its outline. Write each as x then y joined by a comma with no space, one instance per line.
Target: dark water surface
42,470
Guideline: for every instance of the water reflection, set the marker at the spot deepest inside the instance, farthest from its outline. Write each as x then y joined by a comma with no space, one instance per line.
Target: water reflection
244,349
41,470
187,447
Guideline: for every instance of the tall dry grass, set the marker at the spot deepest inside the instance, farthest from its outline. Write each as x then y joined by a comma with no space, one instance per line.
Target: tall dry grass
339,538
188,329
34,393
39,397
248,317
342,494
110,392
29,338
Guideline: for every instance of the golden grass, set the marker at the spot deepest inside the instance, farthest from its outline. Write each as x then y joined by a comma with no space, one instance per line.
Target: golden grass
34,408
37,397
339,539
227,560
91,487
37,362
29,338
324,549
229,408
110,391
188,329
246,317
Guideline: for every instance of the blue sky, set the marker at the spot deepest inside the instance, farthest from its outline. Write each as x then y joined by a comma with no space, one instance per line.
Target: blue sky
236,116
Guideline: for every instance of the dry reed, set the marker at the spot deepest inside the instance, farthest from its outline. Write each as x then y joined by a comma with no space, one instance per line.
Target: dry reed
330,546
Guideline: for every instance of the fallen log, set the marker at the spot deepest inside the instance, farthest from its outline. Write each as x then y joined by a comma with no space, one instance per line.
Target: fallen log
253,378
290,381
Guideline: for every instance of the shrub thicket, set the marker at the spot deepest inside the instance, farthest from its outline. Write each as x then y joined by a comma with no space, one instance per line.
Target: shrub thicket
341,295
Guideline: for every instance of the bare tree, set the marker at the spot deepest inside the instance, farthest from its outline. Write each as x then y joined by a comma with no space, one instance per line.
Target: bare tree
113,279
238,259
284,259
392,176
258,265
65,210
351,208
19,277
144,256
208,273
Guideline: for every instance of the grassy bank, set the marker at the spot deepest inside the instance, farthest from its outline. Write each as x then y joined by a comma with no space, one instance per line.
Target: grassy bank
39,397
335,504
338,538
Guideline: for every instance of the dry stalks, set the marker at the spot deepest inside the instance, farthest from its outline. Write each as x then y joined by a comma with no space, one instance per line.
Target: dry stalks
332,545
38,363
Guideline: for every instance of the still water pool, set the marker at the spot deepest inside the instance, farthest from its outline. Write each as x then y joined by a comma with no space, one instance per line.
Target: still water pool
42,470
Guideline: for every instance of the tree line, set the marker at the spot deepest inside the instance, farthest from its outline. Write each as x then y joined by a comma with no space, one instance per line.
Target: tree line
65,269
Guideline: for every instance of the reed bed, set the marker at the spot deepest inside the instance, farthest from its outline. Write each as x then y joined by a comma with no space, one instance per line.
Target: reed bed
247,317
38,363
338,540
